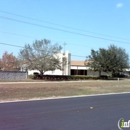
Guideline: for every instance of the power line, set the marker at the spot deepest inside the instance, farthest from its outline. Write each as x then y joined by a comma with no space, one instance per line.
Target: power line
11,45
2,17
78,56
21,35
79,45
60,25
23,47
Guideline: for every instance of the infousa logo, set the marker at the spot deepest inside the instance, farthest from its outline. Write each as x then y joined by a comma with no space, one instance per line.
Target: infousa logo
122,124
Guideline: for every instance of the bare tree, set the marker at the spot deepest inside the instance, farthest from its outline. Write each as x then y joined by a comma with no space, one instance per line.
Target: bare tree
41,55
8,62
0,64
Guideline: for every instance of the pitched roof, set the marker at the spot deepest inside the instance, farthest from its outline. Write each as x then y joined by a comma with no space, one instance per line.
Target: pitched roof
77,63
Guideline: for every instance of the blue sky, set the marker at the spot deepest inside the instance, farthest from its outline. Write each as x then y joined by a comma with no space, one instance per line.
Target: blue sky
101,23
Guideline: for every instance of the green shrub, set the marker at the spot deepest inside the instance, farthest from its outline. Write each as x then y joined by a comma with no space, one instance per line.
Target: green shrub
82,77
32,76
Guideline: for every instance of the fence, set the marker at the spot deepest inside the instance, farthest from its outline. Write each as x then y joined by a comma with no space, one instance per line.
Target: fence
12,75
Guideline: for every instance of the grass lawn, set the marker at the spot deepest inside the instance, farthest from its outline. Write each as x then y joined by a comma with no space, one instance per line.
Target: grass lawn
22,91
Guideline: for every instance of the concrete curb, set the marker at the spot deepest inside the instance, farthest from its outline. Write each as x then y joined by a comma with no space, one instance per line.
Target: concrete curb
55,98
59,82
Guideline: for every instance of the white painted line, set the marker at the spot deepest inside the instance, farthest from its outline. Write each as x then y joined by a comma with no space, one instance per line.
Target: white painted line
51,98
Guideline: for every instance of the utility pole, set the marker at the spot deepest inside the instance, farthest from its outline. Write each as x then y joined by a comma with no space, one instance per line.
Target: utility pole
64,66
64,47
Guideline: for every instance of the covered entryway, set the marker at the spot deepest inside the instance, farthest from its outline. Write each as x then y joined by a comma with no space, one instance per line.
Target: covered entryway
78,68
78,72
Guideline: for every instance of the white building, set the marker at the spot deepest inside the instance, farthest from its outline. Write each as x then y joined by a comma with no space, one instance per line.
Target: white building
78,68
65,67
70,68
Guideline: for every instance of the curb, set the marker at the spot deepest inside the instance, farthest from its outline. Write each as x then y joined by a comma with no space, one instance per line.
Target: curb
56,98
59,82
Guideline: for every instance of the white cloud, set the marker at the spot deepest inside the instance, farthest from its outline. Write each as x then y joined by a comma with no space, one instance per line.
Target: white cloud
119,5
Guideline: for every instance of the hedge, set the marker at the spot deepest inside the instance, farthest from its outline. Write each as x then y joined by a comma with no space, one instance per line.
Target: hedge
63,77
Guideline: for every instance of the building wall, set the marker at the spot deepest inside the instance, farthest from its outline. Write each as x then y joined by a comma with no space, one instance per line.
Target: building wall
96,73
56,72
12,75
79,67
82,70
67,67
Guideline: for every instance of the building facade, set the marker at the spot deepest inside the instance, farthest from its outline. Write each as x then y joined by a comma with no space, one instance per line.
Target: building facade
69,67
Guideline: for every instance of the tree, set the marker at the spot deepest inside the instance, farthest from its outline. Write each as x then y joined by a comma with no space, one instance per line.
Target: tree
8,62
41,55
97,60
113,60
118,59
0,64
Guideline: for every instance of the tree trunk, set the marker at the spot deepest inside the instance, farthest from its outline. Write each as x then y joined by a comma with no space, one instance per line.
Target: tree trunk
41,74
113,72
99,73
